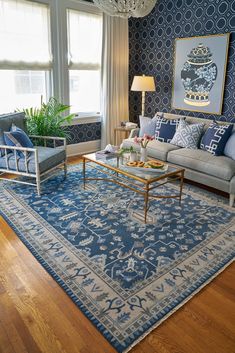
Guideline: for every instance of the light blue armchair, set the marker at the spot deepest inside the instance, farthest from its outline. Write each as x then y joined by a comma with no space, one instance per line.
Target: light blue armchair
34,163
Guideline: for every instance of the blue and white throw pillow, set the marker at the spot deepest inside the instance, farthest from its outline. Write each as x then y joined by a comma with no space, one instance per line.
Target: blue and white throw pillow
165,128
215,138
229,149
188,135
17,137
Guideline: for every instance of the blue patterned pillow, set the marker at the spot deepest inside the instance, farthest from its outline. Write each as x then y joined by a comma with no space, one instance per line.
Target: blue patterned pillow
215,138
165,129
17,137
188,135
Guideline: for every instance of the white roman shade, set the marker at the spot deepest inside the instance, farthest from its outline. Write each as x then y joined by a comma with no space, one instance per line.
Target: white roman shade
84,41
24,35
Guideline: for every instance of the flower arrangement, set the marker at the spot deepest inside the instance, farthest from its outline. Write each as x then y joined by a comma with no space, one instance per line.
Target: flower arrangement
143,141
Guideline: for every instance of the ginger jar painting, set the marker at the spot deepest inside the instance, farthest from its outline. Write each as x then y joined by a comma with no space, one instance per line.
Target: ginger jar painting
199,73
198,76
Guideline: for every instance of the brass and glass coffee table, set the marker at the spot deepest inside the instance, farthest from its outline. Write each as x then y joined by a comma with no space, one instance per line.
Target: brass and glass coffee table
141,182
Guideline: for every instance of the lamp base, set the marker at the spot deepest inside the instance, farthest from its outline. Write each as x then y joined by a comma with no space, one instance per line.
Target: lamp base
143,103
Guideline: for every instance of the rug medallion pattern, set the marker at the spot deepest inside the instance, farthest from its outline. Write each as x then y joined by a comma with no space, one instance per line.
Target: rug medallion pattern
126,277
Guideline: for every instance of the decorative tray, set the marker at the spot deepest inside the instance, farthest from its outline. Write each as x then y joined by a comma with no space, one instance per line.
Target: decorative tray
147,170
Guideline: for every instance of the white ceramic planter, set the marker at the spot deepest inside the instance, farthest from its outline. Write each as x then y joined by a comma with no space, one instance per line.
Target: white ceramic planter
133,157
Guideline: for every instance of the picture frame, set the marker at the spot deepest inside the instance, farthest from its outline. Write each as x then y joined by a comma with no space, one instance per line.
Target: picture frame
199,73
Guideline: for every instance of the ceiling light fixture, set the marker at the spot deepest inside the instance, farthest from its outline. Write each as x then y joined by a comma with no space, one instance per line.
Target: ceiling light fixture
126,8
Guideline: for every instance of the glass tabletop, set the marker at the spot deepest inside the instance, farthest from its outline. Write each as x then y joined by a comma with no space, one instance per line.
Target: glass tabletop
119,164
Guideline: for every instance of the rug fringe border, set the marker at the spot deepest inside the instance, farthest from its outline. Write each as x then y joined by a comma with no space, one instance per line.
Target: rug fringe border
146,333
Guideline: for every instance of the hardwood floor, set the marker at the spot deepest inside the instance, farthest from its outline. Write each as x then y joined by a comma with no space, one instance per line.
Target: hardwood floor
37,316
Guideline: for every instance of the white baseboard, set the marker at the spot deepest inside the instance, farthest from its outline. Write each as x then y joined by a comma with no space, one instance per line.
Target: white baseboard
83,148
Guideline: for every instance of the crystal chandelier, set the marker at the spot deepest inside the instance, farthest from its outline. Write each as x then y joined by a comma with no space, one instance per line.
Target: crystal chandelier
126,8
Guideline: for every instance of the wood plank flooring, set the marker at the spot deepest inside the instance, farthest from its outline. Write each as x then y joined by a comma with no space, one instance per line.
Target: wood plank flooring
37,316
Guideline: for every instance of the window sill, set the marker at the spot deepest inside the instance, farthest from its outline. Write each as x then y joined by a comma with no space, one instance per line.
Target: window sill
86,119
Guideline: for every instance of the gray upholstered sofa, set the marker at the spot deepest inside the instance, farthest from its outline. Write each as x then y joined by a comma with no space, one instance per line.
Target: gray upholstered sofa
201,166
36,163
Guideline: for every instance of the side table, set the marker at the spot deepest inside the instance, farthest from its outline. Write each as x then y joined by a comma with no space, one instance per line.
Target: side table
122,129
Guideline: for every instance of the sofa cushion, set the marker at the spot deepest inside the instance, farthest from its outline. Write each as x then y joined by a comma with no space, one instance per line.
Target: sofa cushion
215,138
155,149
229,149
202,161
48,158
165,129
188,135
160,150
147,126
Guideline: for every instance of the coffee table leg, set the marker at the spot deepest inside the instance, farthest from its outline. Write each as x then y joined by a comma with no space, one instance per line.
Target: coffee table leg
117,165
181,185
146,199
84,173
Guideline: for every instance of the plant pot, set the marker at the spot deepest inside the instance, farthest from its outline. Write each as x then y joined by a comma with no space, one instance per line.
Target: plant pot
133,157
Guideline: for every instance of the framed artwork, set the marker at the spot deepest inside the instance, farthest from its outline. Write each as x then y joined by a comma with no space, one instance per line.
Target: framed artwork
199,73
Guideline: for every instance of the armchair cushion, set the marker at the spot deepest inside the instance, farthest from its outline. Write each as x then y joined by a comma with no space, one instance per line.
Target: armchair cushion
47,157
17,137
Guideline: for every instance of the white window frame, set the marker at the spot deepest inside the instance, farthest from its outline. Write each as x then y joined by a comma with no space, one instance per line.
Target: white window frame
59,43
49,73
58,76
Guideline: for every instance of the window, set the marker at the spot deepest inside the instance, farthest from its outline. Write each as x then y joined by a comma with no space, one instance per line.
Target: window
51,47
26,60
29,82
84,55
21,89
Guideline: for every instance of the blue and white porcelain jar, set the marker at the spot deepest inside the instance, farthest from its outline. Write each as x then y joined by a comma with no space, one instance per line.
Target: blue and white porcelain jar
198,75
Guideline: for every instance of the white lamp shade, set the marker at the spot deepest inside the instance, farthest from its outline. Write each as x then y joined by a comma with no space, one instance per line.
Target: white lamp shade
143,84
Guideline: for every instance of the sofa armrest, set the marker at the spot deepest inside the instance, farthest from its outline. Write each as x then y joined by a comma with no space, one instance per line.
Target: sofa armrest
134,132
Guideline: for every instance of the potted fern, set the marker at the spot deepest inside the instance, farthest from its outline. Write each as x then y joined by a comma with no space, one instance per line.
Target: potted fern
49,119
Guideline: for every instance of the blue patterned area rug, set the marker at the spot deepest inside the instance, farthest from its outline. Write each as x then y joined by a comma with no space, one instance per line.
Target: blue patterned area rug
126,277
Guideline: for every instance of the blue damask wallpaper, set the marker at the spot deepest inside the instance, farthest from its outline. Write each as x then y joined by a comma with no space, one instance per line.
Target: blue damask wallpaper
84,132
151,43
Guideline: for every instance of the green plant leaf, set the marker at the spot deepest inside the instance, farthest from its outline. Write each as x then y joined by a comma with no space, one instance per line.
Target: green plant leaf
48,120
